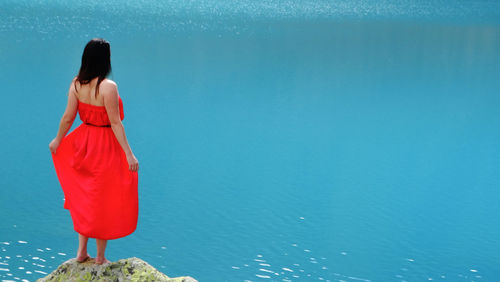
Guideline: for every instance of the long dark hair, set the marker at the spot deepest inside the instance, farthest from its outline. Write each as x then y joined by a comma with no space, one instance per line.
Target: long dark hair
96,62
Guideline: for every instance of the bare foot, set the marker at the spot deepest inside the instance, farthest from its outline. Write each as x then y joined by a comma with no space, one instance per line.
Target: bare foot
82,258
101,261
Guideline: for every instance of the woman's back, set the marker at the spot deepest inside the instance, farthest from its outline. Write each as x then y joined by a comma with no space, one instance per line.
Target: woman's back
92,109
86,93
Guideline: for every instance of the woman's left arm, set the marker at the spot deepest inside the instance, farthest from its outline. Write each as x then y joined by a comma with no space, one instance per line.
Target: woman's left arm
66,120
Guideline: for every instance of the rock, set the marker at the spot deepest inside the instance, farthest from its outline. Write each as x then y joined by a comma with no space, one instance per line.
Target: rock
131,269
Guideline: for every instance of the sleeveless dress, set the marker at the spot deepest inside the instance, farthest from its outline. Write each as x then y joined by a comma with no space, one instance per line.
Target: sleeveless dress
99,189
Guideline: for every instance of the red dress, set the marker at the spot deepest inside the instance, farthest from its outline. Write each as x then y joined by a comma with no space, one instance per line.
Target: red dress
99,189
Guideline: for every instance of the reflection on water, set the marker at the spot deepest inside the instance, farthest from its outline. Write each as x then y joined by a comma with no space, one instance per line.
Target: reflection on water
21,261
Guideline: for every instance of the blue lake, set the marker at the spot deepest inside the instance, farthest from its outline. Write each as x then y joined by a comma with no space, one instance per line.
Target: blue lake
277,140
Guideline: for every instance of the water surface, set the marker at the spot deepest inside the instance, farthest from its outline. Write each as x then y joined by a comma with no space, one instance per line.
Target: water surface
278,140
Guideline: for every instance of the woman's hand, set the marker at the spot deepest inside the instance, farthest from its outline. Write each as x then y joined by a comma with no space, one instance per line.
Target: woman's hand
133,164
54,144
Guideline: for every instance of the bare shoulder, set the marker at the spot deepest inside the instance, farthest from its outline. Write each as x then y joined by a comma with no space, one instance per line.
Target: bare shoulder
108,86
72,86
109,83
73,81
109,90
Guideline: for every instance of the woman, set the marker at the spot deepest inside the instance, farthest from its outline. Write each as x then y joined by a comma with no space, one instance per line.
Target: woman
94,163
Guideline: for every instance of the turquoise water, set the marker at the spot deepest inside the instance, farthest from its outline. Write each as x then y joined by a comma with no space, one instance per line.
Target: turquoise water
278,140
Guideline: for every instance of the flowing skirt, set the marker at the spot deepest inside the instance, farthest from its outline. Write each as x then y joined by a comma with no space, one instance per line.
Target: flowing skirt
99,190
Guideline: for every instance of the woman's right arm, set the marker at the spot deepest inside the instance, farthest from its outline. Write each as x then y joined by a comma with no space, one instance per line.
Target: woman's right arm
109,91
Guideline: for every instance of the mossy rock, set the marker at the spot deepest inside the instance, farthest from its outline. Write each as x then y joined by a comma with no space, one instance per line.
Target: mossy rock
131,269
